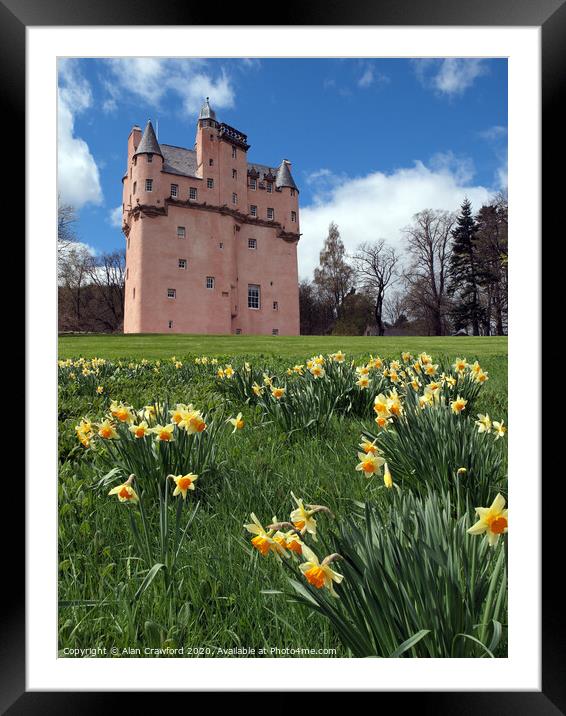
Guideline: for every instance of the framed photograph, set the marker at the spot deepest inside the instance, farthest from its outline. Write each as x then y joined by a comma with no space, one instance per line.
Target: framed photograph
282,353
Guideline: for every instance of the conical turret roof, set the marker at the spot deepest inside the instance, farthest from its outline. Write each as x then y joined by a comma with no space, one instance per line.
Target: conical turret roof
206,111
284,177
148,143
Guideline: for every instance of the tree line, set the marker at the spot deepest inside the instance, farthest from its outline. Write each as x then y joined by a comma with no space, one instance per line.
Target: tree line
90,288
449,276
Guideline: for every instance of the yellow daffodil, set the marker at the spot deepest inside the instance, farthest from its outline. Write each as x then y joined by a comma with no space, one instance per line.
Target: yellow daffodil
458,405
107,430
424,358
317,371
263,540
139,431
406,357
370,463
461,471
237,422
387,479
178,364
369,447
267,380
320,574
484,423
493,521
430,369
192,421
163,433
183,483
178,412
298,369
363,382
257,389
228,371
125,492
220,373
303,517
278,393
84,432
499,429
380,405
383,421
100,389
460,365
394,403
481,376
339,357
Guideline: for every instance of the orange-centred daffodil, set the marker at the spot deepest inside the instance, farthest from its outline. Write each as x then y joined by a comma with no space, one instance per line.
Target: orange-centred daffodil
493,521
125,492
263,540
278,393
163,433
237,422
458,405
183,483
369,464
107,430
139,431
320,574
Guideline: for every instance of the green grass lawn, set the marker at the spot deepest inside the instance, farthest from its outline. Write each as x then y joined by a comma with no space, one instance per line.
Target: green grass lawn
164,345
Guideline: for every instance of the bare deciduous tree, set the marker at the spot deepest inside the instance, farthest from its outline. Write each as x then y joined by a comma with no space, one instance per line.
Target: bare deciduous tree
428,249
375,267
107,274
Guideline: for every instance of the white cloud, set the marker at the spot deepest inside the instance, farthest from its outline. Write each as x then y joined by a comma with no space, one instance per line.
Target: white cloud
367,78
380,205
78,174
115,217
451,76
151,79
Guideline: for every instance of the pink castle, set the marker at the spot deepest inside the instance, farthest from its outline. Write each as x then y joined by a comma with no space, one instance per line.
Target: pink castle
211,240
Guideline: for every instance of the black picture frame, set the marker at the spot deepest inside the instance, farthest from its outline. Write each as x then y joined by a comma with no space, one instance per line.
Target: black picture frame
550,15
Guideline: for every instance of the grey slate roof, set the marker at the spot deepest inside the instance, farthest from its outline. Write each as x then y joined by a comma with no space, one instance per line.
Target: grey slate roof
284,177
177,160
206,111
148,143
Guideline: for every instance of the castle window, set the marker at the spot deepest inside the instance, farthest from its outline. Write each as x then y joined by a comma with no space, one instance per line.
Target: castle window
210,183
182,263
149,184
252,243
211,162
134,292
275,305
238,331
135,185
234,153
171,293
253,184
221,245
135,160
294,216
181,232
170,324
192,193
128,242
212,137
275,332
210,281
292,192
253,296
234,173
234,198
270,214
253,209
269,187
174,190
127,274
149,158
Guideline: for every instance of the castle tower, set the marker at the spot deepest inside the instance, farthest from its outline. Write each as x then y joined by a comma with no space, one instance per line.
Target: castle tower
211,238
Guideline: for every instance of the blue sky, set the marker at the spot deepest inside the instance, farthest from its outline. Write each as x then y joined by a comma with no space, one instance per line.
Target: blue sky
371,141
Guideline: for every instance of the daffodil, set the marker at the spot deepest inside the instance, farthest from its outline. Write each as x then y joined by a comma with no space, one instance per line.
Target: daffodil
121,412
492,521
406,357
220,373
163,433
298,369
278,393
363,382
380,405
100,389
424,358
499,429
369,447
192,421
178,412
237,422
183,483
84,432
481,376
107,430
387,479
263,540
228,371
320,574
484,423
302,516
257,389
139,431
125,492
370,463
460,365
339,357
458,405
394,405
317,371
